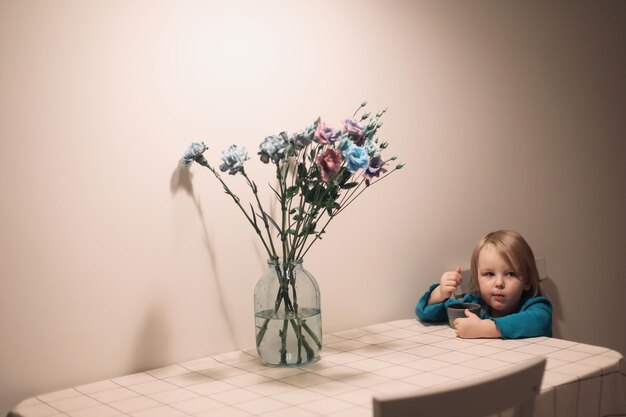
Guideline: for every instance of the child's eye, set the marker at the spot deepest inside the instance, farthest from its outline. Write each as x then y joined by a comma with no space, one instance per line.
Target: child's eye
511,274
488,274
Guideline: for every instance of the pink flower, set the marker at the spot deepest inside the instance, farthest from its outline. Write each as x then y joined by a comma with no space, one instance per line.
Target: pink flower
330,163
326,134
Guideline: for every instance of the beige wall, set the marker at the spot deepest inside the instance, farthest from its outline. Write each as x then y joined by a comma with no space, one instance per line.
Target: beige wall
112,260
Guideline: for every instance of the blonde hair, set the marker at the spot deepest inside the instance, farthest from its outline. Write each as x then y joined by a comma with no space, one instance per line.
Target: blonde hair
512,247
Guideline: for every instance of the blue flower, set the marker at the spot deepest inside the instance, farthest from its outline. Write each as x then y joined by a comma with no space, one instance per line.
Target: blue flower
233,159
356,157
194,151
344,144
273,147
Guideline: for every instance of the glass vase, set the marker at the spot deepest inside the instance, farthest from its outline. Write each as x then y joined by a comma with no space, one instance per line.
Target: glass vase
287,313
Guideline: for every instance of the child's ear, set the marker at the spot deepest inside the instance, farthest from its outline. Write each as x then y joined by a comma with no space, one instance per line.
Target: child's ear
526,284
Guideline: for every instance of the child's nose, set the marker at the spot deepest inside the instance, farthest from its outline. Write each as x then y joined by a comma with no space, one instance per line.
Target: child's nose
499,282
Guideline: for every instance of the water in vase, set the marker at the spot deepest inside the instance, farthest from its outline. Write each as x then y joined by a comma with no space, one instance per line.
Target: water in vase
287,339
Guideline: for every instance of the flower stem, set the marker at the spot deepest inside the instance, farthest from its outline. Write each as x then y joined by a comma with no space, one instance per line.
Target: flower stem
371,184
283,342
264,215
312,334
237,201
343,207
302,343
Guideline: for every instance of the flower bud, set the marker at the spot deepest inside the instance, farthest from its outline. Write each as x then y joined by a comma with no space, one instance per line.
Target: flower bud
400,166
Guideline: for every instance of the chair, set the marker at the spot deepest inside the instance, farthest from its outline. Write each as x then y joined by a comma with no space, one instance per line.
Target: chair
515,387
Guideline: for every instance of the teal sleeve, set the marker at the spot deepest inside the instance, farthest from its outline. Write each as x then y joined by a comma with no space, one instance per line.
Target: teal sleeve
534,319
437,313
434,313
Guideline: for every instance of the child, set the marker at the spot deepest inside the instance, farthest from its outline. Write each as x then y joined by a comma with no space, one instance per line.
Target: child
505,282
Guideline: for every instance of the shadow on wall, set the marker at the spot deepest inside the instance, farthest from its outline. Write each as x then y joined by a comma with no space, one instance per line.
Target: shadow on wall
181,181
551,291
151,349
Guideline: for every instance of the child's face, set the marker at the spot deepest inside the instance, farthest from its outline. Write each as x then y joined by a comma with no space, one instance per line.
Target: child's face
500,285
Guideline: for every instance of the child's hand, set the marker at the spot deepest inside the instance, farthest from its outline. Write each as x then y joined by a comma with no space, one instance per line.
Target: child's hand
449,282
469,327
472,327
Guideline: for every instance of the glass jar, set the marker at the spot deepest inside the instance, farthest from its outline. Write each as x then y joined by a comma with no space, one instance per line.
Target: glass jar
287,313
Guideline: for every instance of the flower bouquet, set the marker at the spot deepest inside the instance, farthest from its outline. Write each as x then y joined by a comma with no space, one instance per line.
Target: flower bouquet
319,172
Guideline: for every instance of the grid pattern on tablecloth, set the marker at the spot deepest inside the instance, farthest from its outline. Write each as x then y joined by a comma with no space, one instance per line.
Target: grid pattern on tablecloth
393,358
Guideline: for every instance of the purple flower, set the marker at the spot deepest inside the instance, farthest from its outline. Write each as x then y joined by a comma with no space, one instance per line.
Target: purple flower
233,159
326,134
375,168
302,139
330,163
194,151
354,130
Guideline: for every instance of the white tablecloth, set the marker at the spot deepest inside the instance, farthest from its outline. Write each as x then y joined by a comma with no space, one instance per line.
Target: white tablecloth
385,359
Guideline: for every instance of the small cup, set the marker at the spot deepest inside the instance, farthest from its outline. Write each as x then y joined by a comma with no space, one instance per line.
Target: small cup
458,310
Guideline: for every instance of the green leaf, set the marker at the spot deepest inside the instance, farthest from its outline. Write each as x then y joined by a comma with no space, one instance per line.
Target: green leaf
302,171
310,194
291,232
315,173
310,229
298,217
349,185
291,191
292,211
342,177
268,217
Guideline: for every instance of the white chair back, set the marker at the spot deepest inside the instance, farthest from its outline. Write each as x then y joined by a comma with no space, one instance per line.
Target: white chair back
514,388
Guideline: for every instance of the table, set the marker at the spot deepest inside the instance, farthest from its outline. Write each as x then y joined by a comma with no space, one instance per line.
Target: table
385,359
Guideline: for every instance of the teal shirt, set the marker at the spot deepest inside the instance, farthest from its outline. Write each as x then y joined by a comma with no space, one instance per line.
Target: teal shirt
532,319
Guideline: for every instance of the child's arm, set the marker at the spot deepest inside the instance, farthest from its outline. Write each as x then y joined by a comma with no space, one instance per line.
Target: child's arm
534,319
447,286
